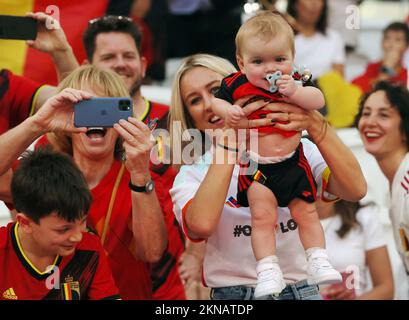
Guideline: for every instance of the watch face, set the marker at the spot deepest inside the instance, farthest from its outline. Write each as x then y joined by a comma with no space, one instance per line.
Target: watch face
149,186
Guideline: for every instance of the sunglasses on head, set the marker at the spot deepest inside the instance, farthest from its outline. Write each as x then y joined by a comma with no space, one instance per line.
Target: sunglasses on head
110,19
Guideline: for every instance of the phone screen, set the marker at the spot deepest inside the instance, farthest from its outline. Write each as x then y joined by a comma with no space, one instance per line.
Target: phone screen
17,28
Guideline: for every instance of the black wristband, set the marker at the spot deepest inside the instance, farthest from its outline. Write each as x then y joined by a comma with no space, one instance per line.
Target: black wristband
147,188
228,148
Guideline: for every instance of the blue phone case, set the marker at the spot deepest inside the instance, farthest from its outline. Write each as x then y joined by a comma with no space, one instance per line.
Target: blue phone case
102,112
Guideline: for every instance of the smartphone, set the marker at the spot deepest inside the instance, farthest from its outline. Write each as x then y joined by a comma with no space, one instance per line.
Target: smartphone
18,28
102,112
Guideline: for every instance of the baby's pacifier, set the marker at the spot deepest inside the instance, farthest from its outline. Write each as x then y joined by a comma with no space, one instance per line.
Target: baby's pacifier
272,78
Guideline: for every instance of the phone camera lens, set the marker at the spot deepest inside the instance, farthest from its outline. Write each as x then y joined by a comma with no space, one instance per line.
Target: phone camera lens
124,105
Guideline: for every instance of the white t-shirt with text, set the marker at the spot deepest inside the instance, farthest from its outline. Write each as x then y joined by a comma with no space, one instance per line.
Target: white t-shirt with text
229,258
399,211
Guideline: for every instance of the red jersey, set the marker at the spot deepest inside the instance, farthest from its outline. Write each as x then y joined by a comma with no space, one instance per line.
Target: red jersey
372,72
136,279
82,275
17,95
166,282
236,86
132,275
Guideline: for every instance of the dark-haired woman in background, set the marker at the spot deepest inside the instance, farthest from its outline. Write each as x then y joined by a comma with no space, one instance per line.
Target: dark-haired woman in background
356,244
383,123
319,48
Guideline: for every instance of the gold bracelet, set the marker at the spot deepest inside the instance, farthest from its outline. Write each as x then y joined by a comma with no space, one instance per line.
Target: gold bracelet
323,131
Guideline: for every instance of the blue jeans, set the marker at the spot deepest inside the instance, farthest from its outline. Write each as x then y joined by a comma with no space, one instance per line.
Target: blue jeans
297,291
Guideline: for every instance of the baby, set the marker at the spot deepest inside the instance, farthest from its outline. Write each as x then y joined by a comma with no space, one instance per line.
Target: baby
265,54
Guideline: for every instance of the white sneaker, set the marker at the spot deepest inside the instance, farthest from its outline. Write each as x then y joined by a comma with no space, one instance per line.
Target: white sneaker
319,269
269,281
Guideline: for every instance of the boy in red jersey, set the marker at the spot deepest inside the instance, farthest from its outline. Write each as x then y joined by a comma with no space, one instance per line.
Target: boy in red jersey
47,254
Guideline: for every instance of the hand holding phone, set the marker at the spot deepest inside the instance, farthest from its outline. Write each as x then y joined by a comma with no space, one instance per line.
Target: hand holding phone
17,28
102,112
50,36
56,114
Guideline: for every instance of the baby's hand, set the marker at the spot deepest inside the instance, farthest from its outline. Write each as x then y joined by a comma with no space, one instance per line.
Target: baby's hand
286,85
234,114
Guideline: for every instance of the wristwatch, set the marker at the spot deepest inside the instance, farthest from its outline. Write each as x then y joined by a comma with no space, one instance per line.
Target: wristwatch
147,188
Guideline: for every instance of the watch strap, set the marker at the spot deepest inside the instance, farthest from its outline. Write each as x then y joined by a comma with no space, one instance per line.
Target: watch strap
147,188
136,188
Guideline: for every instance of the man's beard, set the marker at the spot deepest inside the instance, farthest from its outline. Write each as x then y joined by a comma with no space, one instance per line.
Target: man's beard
135,86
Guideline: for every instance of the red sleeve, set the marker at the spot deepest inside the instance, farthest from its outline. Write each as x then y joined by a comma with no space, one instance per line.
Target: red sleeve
103,286
16,99
365,80
163,183
401,78
224,92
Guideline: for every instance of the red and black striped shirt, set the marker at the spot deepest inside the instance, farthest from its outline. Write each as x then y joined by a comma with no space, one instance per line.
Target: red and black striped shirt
236,86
